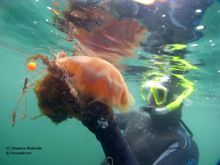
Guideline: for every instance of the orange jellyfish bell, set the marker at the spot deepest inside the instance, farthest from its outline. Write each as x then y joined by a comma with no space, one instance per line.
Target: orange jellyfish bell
95,77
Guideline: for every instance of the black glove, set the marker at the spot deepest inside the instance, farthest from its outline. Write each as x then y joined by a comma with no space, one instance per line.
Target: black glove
98,117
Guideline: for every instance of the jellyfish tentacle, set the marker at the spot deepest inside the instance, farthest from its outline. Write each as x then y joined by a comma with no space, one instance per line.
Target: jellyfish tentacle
44,59
27,86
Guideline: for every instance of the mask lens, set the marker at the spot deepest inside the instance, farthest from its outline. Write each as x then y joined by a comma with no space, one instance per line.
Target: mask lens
159,95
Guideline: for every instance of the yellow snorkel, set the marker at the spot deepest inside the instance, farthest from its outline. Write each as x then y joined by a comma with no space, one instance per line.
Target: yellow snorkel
189,88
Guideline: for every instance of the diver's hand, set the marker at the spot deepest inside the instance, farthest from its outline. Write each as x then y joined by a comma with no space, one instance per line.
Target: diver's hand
98,117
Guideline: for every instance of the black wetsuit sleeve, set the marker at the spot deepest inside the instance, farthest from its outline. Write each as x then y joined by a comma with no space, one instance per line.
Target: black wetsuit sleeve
107,132
115,147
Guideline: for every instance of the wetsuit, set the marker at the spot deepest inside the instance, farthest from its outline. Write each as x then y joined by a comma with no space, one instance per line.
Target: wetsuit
157,140
141,138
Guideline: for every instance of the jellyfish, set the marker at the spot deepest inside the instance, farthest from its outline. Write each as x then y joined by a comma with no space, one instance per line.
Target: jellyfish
76,80
97,78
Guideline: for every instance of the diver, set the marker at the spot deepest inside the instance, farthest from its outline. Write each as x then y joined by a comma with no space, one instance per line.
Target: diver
155,134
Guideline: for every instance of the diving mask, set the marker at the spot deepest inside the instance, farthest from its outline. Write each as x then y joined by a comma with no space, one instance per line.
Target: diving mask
154,91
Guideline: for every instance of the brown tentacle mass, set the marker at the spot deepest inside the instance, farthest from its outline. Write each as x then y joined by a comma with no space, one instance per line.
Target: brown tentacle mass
54,98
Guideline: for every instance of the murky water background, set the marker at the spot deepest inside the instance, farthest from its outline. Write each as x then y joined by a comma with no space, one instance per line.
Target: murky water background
26,25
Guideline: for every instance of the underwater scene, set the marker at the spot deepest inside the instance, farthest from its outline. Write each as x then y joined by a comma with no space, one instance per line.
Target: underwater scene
117,82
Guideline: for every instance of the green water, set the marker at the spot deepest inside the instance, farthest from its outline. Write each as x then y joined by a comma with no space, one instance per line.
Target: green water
26,25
